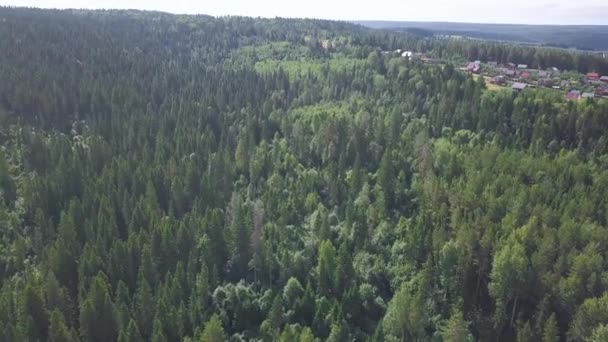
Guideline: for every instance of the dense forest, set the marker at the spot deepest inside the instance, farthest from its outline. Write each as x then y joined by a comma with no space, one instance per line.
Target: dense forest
191,178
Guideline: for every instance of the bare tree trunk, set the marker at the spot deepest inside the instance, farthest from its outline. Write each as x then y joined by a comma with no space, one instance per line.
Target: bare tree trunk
514,309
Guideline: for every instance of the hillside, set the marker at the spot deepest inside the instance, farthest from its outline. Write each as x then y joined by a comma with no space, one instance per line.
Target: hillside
191,178
594,38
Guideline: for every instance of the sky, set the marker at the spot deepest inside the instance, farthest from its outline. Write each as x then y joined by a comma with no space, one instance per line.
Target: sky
557,12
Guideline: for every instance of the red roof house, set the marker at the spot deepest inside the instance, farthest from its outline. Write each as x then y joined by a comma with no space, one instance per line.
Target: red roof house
525,74
593,76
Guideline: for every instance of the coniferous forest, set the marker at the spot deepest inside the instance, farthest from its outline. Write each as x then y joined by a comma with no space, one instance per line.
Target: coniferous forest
191,178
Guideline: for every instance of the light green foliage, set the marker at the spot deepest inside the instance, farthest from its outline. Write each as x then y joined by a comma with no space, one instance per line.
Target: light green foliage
550,330
213,332
456,329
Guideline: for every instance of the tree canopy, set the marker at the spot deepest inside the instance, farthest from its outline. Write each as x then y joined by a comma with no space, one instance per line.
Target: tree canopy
169,177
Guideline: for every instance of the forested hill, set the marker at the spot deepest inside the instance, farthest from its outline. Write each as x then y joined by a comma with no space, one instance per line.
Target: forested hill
169,178
585,37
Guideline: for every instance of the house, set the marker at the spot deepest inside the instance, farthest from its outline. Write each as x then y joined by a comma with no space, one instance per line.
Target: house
406,54
604,79
398,51
511,65
554,69
519,86
493,64
522,66
498,80
546,82
573,95
525,74
588,95
416,55
474,67
543,74
593,76
511,73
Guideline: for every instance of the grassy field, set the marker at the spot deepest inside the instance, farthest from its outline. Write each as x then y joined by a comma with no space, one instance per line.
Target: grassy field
489,85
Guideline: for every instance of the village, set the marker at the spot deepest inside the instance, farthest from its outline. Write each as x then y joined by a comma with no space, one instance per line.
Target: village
519,77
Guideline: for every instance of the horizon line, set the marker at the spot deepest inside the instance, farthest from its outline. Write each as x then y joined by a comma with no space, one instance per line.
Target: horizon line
356,21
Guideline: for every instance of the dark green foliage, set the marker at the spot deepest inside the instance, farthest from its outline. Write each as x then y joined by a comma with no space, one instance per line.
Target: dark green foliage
168,178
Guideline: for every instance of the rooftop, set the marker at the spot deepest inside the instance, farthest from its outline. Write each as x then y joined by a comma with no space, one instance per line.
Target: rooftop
519,86
588,95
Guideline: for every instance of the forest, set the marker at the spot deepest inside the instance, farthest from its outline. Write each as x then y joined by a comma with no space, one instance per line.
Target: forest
583,37
193,178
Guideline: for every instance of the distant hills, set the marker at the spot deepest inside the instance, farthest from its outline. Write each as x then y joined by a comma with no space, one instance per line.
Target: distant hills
593,38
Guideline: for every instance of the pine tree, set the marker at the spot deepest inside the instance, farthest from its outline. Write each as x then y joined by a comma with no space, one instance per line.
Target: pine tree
344,270
58,330
550,330
338,333
276,313
326,267
213,332
35,312
130,333
240,238
456,328
158,334
97,320
143,307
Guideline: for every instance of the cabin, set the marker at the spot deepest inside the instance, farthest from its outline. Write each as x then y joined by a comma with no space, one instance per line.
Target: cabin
604,79
593,76
525,74
573,95
518,86
511,65
522,66
406,54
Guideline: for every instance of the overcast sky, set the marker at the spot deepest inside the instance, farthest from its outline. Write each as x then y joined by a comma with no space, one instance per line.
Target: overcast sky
591,12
